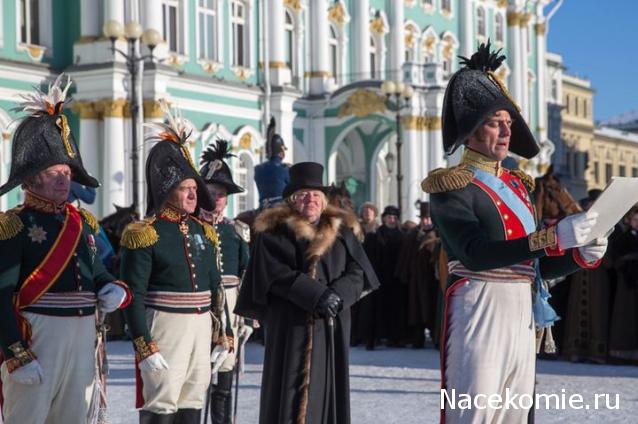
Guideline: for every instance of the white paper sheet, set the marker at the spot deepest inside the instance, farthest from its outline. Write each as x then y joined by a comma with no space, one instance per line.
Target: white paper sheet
617,199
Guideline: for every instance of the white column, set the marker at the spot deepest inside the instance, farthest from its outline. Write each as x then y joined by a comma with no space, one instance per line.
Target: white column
397,41
113,178
541,66
412,170
151,15
319,66
89,25
281,109
91,151
525,100
279,73
361,40
516,54
466,17
114,10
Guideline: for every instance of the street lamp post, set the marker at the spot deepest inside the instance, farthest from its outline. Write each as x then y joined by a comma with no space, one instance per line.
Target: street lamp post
133,33
398,97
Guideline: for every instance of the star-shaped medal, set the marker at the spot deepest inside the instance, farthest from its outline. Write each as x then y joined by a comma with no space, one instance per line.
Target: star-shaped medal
37,234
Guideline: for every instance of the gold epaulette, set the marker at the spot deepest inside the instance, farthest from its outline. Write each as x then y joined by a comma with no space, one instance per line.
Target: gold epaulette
139,234
10,224
528,180
209,231
447,179
90,219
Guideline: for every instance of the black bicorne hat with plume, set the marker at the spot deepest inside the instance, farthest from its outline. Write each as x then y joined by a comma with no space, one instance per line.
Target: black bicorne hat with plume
169,162
474,93
215,170
44,139
274,142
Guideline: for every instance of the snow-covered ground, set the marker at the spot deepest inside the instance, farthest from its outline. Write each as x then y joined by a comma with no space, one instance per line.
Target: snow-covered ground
402,386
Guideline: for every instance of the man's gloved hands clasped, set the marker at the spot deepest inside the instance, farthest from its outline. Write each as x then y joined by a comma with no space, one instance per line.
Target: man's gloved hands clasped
110,297
30,374
329,304
572,231
155,362
595,250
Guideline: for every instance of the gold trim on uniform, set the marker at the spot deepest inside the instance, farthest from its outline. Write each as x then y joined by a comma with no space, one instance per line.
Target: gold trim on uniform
482,162
90,219
140,234
143,349
39,203
21,357
542,239
527,180
447,179
170,214
10,224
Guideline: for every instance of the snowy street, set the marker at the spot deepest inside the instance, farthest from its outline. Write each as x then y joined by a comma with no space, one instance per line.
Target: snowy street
402,386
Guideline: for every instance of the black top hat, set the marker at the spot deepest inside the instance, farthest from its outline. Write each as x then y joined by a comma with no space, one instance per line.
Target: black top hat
215,170
169,163
474,93
274,142
424,208
308,175
391,210
44,139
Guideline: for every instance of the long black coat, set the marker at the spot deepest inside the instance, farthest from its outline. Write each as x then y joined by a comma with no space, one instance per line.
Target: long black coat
278,291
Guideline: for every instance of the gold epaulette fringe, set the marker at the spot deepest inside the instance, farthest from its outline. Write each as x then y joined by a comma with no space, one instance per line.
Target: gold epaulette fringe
210,233
528,180
140,234
10,224
447,179
90,219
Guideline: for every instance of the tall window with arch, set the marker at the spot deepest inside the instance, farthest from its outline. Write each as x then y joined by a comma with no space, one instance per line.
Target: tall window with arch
499,28
289,30
481,25
410,42
172,26
333,52
29,22
244,163
207,21
373,58
238,30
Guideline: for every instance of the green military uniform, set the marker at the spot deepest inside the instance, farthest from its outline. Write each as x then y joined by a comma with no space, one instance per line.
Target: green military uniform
51,278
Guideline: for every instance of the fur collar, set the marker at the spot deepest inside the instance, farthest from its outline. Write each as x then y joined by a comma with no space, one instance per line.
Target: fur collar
321,237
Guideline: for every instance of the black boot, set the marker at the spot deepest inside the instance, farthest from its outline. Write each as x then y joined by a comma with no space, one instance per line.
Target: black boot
148,417
220,405
188,416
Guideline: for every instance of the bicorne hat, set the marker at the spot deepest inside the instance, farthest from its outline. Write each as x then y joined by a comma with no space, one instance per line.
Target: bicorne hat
274,142
169,162
305,175
44,139
474,93
215,170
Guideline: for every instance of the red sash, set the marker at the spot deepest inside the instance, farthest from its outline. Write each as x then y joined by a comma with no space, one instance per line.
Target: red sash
49,270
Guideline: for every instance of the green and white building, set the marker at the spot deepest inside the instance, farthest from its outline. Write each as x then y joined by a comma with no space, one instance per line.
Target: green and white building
315,65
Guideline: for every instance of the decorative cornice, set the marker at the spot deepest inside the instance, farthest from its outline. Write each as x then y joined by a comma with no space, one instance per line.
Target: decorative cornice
514,18
210,67
525,18
502,3
246,141
362,103
540,28
242,73
317,74
421,123
337,13
277,64
293,4
114,108
86,110
153,109
377,26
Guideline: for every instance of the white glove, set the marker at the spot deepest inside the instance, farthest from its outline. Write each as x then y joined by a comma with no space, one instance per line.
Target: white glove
155,362
244,334
218,356
30,374
110,297
572,231
594,251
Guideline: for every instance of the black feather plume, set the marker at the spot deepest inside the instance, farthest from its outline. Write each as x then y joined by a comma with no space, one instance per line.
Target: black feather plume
218,151
483,59
272,126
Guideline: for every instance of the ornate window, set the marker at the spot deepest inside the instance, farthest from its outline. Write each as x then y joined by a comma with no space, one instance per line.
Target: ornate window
241,173
499,28
289,30
333,52
208,36
481,22
29,21
446,7
449,45
172,26
429,44
411,41
238,30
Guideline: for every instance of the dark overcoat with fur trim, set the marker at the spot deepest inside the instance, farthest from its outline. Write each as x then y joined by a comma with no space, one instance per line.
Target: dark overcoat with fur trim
278,291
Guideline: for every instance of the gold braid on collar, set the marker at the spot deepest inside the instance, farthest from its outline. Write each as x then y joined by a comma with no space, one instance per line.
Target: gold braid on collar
479,161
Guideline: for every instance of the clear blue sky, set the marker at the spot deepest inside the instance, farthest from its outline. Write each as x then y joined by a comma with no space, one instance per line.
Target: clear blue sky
598,40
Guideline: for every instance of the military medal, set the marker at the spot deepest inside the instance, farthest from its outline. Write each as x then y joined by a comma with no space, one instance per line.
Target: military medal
92,246
183,227
37,234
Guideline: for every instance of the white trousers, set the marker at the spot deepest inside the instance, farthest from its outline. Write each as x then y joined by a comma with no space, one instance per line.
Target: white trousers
490,347
184,341
65,347
231,300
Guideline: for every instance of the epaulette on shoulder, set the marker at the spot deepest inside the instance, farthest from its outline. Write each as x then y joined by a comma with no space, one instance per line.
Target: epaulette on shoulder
242,229
209,231
10,224
447,179
90,219
528,180
140,234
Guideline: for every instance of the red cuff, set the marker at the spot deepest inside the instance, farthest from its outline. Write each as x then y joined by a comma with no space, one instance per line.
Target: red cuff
583,263
554,251
129,295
